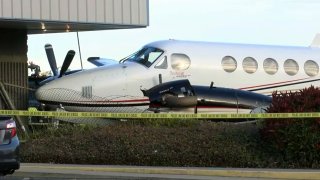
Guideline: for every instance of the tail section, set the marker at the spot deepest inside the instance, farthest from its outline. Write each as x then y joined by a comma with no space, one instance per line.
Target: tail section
316,41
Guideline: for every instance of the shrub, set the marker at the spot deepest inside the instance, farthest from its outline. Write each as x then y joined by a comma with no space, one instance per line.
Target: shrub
297,141
196,144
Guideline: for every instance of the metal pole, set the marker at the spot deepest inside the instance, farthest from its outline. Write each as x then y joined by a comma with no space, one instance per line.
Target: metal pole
79,50
9,103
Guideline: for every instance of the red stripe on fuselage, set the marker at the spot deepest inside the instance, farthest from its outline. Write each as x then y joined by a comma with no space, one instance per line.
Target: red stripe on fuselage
119,101
263,85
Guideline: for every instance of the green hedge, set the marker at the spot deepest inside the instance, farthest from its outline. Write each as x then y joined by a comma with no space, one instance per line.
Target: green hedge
163,144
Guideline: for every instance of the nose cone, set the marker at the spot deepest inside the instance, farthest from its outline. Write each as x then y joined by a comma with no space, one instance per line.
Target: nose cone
67,88
49,92
58,90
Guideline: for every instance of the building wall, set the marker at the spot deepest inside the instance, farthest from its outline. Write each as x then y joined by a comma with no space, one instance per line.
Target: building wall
131,12
13,66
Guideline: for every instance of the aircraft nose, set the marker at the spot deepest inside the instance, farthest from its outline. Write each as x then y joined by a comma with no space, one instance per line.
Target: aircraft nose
43,93
52,93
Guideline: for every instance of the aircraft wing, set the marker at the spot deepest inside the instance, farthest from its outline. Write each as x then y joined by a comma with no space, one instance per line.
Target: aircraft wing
102,61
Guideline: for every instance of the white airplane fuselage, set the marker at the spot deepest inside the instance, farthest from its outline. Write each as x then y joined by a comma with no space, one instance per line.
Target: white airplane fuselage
117,88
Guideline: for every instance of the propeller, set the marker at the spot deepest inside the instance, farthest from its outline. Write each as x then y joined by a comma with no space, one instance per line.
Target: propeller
53,64
67,61
51,59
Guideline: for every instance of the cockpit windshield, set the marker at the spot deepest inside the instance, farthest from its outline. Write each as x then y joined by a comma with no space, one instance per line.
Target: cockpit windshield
145,56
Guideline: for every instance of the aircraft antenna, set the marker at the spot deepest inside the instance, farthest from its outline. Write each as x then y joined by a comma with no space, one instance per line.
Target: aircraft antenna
211,85
79,49
160,78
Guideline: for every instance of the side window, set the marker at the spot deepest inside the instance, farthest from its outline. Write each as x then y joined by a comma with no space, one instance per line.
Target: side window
162,64
291,67
311,68
229,64
270,66
249,65
180,61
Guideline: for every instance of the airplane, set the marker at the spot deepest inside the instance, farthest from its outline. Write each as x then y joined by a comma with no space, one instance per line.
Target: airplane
122,87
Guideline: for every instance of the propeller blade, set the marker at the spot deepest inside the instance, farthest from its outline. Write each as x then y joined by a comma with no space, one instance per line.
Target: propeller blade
67,61
51,59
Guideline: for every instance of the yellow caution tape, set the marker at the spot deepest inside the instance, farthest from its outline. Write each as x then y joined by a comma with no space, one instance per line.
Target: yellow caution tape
65,114
33,109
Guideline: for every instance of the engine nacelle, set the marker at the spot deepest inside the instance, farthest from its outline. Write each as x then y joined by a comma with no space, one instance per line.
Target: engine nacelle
180,94
174,94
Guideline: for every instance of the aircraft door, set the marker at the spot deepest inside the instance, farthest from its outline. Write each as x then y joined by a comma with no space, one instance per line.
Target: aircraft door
162,71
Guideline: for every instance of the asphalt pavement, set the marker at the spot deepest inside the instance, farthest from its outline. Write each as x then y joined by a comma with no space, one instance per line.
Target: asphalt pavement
67,171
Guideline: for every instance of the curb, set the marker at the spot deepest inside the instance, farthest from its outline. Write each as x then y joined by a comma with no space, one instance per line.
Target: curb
228,172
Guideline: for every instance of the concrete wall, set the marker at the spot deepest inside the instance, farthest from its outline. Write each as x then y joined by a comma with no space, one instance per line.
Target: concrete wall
130,12
13,66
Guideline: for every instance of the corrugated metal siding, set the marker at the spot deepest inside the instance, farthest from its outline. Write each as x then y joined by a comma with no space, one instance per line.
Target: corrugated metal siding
143,14
7,8
14,76
73,11
54,10
135,8
13,66
25,8
109,11
35,9
127,12
17,9
100,11
45,9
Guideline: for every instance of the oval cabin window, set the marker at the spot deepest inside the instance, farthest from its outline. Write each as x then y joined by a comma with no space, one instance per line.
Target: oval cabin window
291,67
229,64
249,65
311,68
180,61
270,66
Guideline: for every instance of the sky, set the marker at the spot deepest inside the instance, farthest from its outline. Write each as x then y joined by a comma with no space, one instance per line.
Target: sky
271,22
